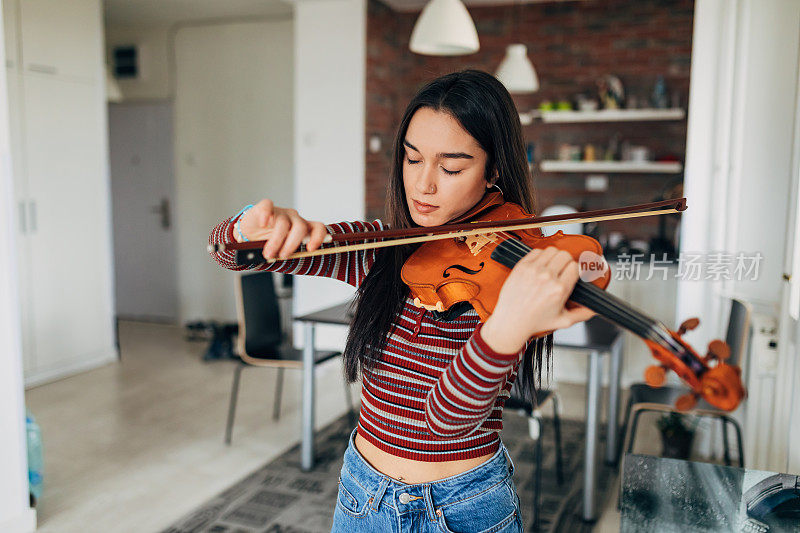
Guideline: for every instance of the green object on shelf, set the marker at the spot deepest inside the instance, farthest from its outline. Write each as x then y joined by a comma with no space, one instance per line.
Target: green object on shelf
564,105
546,105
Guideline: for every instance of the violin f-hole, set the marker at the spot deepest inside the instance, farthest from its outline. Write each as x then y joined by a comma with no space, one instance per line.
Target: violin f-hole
462,268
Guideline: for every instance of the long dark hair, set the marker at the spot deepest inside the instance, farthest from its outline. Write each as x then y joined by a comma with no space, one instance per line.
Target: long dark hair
483,107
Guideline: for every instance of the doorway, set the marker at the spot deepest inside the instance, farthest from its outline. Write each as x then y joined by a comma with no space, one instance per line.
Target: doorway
142,190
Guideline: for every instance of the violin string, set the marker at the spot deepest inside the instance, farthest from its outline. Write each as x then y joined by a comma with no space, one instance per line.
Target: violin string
620,315
600,300
603,302
512,250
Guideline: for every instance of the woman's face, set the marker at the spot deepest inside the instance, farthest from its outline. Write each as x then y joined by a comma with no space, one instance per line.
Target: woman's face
443,168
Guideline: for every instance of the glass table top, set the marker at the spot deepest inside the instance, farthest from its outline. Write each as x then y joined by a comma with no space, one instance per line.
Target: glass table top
671,495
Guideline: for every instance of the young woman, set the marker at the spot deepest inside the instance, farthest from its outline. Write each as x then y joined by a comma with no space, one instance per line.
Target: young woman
426,454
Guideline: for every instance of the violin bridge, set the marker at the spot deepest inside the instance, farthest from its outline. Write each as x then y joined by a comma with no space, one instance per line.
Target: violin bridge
477,242
438,307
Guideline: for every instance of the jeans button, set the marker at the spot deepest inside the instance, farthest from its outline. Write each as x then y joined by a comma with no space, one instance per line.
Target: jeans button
405,497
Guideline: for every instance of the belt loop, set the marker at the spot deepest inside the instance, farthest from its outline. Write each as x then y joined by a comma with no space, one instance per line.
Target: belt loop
376,499
510,462
426,493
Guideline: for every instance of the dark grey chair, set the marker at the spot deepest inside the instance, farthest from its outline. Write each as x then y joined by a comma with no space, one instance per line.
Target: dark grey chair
263,342
533,410
644,398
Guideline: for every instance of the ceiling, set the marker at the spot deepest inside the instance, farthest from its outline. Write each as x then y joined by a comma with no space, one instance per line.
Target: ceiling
166,12
417,5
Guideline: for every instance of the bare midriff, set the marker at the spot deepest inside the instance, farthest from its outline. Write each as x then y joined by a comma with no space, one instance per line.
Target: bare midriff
409,470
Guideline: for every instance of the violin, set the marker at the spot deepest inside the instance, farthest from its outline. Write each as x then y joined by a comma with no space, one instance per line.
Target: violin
469,261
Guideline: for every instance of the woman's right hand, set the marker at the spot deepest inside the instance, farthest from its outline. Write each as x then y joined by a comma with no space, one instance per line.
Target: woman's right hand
533,299
282,228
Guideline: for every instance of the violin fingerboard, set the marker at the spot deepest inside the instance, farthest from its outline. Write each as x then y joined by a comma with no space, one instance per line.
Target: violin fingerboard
509,253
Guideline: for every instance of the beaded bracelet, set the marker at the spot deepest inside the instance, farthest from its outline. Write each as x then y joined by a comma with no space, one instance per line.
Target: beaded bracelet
238,227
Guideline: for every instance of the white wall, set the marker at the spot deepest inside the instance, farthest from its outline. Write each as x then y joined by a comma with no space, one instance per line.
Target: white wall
153,82
233,90
305,147
742,108
739,149
330,65
234,138
14,512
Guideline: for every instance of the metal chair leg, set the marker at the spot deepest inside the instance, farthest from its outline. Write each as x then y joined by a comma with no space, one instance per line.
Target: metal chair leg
625,421
634,424
351,408
738,430
232,407
726,454
537,478
557,436
631,437
276,408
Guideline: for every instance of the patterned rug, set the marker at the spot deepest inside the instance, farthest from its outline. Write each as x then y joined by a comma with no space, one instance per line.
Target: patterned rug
280,498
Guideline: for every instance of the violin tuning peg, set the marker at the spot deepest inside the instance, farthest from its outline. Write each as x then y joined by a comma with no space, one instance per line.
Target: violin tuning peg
688,325
718,350
655,375
686,402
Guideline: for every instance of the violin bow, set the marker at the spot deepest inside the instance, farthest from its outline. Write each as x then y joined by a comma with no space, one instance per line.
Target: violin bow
448,231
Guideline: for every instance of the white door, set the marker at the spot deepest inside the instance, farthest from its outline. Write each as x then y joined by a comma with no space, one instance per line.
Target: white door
142,189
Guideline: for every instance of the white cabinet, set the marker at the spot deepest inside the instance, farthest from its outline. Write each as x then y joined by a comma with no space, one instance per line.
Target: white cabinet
10,10
62,37
68,217
59,146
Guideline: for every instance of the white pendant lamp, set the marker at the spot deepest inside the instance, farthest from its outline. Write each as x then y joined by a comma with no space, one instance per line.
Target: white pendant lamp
444,28
516,71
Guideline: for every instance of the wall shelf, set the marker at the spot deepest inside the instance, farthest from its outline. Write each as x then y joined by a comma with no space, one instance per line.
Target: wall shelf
610,115
645,167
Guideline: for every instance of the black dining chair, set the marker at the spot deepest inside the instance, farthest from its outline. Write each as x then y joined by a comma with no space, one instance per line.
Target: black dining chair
533,410
263,342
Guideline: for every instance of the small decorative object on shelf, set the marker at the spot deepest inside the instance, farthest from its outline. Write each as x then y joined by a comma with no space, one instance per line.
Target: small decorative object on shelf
611,92
659,97
564,105
585,103
589,153
546,105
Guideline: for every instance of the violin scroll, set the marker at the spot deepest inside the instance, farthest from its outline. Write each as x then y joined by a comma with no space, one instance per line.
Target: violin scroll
710,378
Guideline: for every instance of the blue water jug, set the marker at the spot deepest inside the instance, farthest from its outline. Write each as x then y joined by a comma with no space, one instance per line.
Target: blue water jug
35,458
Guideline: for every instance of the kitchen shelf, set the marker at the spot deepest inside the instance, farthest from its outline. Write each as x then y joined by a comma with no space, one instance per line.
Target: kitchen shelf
613,115
646,167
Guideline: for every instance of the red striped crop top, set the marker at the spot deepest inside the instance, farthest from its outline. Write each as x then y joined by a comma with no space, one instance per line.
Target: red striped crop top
438,392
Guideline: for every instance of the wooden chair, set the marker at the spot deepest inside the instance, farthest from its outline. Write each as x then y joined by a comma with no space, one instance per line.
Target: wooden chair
263,342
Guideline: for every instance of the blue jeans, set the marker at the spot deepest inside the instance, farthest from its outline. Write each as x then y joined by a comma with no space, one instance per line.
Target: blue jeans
480,500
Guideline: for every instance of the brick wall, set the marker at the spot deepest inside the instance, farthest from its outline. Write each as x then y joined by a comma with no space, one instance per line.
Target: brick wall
571,45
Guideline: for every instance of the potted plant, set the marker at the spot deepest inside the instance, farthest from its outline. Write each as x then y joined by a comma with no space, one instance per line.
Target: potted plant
676,435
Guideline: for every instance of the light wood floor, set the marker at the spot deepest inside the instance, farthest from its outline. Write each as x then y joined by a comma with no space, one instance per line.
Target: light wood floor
133,446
